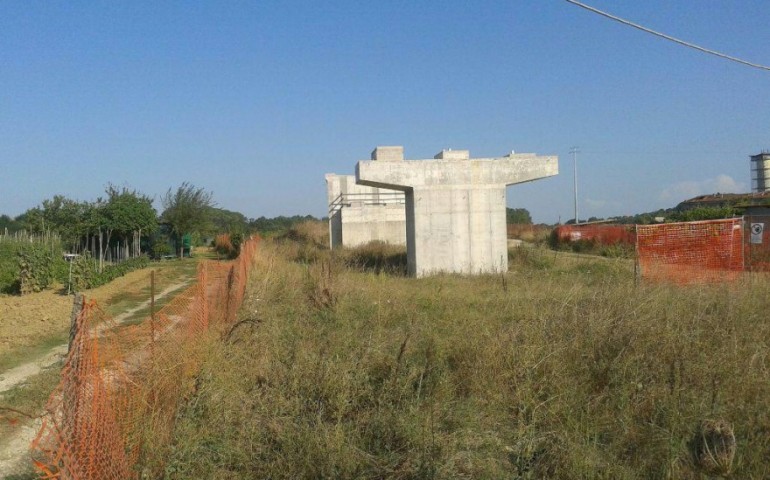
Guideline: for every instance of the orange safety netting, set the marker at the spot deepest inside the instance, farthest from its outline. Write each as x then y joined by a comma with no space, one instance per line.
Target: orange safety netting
113,410
600,233
691,252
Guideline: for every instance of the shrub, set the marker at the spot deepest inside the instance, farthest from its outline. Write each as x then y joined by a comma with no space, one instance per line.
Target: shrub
223,245
160,247
236,239
38,267
311,232
85,272
9,268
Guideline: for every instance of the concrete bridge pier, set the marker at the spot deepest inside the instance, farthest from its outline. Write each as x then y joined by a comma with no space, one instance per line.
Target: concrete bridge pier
455,205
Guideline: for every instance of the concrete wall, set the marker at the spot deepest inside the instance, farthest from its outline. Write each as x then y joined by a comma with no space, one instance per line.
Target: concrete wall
366,223
455,206
363,214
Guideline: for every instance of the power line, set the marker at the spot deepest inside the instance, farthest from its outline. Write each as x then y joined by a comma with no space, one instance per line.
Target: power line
667,37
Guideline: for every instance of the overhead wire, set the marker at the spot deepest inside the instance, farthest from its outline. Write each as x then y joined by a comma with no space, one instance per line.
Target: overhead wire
667,37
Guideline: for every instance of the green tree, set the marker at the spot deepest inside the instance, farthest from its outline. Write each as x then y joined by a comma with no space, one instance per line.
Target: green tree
60,215
128,214
186,210
517,216
277,224
227,221
10,224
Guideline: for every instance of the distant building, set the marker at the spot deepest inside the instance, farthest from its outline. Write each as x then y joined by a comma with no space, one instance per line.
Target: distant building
760,172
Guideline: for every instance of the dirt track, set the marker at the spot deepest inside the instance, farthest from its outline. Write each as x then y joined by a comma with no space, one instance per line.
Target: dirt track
25,322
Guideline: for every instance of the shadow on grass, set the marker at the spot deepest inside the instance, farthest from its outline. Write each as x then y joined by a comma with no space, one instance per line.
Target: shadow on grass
377,257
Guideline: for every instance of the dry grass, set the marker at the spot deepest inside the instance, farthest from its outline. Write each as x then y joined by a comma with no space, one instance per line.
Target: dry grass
562,368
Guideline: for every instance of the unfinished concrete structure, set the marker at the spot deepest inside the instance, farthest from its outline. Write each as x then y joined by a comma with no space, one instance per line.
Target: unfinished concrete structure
455,205
359,214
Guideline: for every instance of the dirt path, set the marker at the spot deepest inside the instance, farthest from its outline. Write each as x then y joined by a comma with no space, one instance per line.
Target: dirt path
13,450
13,455
17,375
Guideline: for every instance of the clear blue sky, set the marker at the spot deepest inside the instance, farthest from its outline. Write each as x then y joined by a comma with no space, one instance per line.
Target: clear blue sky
256,101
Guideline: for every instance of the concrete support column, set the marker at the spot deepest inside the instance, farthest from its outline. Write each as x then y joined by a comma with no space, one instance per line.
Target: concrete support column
455,205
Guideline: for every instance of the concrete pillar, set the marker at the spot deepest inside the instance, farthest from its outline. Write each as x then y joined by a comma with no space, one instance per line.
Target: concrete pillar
455,205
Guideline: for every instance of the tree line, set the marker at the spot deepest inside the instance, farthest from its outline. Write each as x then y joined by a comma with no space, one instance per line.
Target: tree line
125,223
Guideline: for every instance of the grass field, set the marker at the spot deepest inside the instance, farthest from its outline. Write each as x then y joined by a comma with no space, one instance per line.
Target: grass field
562,368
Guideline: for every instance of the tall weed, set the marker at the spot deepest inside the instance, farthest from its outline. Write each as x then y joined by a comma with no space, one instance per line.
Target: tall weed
561,369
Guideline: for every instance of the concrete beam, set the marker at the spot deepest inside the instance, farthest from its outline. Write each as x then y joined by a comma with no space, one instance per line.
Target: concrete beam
507,170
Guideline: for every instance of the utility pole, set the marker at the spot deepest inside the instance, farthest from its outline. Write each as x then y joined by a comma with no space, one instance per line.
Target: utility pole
574,151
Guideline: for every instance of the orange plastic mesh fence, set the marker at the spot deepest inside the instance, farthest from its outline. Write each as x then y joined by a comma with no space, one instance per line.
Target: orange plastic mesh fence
599,233
691,252
113,410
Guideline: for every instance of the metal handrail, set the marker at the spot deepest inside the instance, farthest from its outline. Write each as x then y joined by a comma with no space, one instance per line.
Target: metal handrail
346,200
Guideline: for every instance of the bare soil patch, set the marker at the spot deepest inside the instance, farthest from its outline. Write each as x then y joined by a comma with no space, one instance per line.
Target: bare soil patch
31,319
32,324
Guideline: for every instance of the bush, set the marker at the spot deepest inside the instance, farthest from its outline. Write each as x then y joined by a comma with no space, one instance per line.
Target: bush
160,247
111,272
311,232
9,268
237,240
85,271
38,267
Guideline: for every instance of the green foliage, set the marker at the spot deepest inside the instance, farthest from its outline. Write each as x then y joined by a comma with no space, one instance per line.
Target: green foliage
127,211
537,258
111,272
617,250
9,268
86,275
85,272
38,267
646,218
227,221
123,214
236,239
9,224
270,226
16,248
517,216
187,210
161,246
703,213
62,215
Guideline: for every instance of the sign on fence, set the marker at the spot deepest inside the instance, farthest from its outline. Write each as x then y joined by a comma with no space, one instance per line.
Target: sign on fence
757,229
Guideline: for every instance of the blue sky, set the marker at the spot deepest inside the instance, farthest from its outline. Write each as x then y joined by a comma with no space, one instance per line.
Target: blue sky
256,101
